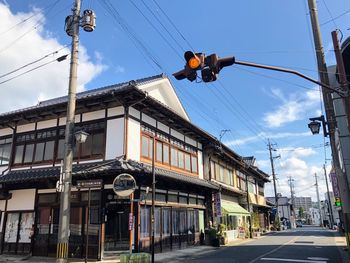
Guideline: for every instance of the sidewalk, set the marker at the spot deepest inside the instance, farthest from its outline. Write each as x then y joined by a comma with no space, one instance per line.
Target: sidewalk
165,257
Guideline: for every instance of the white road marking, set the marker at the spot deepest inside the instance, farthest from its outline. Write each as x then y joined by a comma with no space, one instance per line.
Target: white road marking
294,260
317,258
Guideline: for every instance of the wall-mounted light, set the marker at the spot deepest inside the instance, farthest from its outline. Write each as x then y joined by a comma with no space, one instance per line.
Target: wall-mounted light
315,125
80,136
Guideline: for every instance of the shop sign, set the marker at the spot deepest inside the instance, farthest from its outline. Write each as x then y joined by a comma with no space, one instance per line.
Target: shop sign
124,184
131,221
95,184
217,204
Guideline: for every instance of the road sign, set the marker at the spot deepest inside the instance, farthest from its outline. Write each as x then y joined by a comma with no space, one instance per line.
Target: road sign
337,202
92,184
124,185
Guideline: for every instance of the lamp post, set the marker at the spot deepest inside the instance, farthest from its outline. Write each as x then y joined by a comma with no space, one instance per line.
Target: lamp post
314,126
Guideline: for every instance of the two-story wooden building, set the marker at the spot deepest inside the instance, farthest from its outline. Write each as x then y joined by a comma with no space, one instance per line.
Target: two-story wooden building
123,122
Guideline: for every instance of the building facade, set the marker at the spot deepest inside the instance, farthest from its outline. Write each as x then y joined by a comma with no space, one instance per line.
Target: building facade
129,125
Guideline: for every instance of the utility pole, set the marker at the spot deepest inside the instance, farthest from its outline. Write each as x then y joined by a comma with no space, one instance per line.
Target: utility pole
331,222
274,179
291,186
64,216
318,201
330,115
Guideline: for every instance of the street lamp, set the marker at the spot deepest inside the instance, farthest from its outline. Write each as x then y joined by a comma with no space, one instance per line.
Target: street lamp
80,136
315,125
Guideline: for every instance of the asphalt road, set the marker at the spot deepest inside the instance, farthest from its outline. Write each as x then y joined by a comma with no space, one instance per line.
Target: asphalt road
306,244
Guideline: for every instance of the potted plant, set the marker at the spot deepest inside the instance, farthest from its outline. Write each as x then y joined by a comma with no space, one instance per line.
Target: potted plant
222,235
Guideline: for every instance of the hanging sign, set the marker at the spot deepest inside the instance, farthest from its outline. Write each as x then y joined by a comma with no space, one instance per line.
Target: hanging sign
217,204
124,185
96,184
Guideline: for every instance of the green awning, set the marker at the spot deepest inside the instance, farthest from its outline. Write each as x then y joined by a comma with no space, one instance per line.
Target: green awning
231,208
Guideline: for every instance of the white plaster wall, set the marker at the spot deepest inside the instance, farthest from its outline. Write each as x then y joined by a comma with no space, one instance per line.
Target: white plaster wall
115,138
26,127
63,120
93,115
46,124
177,134
163,127
115,111
2,208
200,165
134,140
199,146
6,131
149,120
21,200
135,113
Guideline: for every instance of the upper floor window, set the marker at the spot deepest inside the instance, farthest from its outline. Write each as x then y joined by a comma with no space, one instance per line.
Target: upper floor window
48,145
221,173
241,182
5,150
168,151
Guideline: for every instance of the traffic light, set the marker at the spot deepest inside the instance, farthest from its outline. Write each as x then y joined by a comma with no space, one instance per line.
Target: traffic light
337,202
210,66
194,62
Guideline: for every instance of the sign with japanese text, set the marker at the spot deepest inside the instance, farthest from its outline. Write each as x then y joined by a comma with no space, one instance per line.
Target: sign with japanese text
217,204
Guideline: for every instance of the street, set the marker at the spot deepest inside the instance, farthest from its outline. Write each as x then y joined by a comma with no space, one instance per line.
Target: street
306,244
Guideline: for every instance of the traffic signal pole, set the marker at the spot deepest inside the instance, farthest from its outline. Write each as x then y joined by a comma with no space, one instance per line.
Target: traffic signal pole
330,115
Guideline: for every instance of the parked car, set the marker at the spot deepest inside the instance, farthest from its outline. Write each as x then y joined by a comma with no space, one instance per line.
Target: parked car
299,223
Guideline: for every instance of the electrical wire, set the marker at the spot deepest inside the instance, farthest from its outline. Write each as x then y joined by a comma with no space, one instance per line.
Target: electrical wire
156,29
29,18
33,62
334,18
40,22
173,24
330,14
35,68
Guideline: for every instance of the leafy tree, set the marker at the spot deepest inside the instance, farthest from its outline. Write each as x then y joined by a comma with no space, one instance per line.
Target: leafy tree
301,212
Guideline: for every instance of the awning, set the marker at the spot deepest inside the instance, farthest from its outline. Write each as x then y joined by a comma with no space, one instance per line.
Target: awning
233,209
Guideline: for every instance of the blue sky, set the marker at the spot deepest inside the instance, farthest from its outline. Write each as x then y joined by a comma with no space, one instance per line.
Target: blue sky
253,104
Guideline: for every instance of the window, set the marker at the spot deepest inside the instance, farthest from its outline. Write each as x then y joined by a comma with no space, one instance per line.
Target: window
168,151
174,157
19,154
145,222
194,164
147,147
159,152
165,153
5,150
166,221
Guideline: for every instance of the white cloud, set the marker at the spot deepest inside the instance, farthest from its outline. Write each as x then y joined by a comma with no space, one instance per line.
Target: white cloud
302,172
22,45
292,108
258,137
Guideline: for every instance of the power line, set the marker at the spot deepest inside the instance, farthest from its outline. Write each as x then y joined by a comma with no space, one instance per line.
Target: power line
156,29
29,18
33,62
135,39
40,21
40,66
330,14
164,27
173,24
334,18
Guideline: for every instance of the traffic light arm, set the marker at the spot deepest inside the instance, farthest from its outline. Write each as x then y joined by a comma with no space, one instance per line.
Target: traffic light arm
250,64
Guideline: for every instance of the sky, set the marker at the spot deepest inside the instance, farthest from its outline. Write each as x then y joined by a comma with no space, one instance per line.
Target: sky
139,38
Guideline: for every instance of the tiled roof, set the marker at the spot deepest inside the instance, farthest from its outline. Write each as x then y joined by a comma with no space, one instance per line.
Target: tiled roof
90,169
38,174
133,166
87,94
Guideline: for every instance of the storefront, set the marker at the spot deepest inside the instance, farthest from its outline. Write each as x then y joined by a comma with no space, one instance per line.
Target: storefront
234,217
